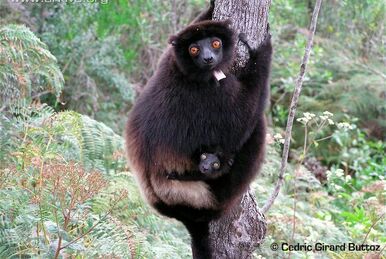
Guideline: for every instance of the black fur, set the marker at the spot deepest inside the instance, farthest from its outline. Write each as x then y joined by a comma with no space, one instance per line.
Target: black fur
206,170
184,109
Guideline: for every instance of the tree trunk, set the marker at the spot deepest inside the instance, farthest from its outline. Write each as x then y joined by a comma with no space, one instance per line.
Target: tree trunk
247,16
239,233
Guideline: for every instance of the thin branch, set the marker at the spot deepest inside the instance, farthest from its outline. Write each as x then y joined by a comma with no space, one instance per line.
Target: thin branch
321,139
294,103
371,227
96,224
40,94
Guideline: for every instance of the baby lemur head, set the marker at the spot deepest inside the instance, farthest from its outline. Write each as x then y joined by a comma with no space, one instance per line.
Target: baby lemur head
204,47
209,163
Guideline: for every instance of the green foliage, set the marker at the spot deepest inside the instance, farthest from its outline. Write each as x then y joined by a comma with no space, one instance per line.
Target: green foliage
359,23
66,148
40,132
336,215
51,216
311,202
46,193
344,75
346,146
105,52
136,21
359,155
94,67
352,87
26,66
361,205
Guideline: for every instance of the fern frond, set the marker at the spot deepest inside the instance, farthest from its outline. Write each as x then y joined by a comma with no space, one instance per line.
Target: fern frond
26,65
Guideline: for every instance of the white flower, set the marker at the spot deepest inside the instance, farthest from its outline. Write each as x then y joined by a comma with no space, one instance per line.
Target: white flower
302,120
308,115
343,125
330,122
328,114
277,136
338,187
339,173
329,174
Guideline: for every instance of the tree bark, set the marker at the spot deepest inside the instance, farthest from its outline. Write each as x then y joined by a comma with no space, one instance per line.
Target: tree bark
247,16
239,233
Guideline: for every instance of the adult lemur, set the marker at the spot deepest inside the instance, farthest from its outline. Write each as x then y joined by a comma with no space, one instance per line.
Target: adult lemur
186,109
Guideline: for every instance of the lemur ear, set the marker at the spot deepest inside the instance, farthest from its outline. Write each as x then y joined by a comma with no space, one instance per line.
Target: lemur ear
173,40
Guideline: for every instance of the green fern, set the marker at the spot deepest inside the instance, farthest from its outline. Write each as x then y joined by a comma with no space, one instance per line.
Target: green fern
26,65
90,141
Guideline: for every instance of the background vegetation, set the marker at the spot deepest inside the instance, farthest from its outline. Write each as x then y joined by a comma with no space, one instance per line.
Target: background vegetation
70,72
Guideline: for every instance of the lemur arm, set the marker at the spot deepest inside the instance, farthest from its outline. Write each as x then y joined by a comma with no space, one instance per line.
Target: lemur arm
255,76
196,175
256,73
187,176
205,15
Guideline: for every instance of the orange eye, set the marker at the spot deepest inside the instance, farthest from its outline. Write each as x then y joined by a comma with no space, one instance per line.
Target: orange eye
216,44
194,51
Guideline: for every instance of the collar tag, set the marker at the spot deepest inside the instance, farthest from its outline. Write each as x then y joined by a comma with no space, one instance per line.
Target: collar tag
218,74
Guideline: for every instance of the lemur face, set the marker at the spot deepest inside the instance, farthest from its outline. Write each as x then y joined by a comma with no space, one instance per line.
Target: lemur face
209,163
206,53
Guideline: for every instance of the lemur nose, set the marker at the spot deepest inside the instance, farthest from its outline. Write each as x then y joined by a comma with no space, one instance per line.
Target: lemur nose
208,60
206,168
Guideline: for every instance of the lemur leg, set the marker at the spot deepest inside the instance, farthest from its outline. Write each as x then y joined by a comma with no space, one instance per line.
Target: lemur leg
185,213
199,233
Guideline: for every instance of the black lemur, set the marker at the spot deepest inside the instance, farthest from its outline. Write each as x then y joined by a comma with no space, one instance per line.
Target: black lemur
184,108
211,164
